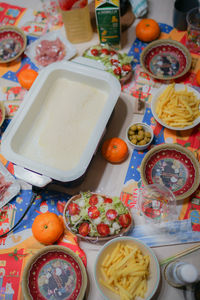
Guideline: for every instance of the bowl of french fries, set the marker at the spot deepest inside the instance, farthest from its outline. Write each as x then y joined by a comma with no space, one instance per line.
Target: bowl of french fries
176,106
126,268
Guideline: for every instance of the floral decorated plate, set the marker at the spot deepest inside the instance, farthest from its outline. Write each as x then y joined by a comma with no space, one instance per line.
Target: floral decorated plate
12,43
166,59
172,166
55,272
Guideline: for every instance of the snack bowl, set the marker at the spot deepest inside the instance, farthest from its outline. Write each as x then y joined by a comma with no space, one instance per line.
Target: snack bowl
133,128
155,102
165,59
12,43
103,257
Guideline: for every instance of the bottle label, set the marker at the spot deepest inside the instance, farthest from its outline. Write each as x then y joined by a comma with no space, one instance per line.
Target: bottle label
108,24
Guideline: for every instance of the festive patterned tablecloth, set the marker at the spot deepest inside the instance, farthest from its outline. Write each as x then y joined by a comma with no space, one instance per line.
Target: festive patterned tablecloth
17,248
187,226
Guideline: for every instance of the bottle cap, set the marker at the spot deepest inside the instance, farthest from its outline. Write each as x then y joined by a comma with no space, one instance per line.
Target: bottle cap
187,273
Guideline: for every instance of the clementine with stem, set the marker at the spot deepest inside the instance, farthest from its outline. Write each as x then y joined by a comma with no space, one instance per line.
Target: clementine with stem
47,228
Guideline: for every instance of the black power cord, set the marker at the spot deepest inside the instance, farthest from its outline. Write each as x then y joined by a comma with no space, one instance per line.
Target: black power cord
34,195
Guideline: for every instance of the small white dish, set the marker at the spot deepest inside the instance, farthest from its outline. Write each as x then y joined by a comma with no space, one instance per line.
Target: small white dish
154,268
69,50
155,99
146,128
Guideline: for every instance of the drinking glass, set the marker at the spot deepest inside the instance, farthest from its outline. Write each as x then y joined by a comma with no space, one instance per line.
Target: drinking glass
181,8
193,30
156,203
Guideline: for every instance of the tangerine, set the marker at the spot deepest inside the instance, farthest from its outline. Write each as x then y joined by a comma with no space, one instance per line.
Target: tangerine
27,77
114,150
47,228
147,30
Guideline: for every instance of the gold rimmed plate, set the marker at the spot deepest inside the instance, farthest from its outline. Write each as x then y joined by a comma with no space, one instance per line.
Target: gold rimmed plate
12,43
165,59
54,272
173,166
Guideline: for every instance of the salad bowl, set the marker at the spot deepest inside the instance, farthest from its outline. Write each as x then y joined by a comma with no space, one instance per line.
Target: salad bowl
96,217
109,59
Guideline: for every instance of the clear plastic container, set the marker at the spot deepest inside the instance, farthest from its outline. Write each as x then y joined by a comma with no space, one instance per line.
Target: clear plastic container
156,203
193,30
76,21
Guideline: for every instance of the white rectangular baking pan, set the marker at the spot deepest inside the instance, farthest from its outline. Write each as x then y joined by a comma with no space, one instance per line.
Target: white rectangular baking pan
59,124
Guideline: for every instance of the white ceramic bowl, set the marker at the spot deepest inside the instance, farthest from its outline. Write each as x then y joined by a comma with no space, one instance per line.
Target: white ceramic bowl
155,99
146,128
154,277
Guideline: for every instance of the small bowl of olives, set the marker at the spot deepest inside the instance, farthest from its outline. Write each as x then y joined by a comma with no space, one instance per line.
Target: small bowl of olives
140,135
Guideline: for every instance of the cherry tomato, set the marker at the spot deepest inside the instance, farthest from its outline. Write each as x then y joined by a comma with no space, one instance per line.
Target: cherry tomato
107,200
103,229
93,200
111,214
114,62
84,229
112,52
73,209
93,212
117,71
126,68
105,51
125,220
95,52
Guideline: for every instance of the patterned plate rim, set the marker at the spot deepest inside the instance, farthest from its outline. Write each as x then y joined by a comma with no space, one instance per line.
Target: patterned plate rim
170,42
20,32
181,149
34,258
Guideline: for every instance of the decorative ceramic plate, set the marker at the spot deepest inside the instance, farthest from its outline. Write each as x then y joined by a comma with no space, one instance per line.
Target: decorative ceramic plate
177,88
95,217
12,43
165,59
55,272
172,166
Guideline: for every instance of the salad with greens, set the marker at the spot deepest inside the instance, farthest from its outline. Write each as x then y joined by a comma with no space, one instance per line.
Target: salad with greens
118,64
95,215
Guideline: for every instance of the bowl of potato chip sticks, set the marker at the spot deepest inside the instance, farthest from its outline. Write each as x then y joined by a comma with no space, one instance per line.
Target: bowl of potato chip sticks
126,268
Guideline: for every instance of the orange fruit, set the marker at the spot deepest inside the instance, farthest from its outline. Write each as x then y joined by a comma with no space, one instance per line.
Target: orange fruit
198,77
47,228
147,30
27,77
114,150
